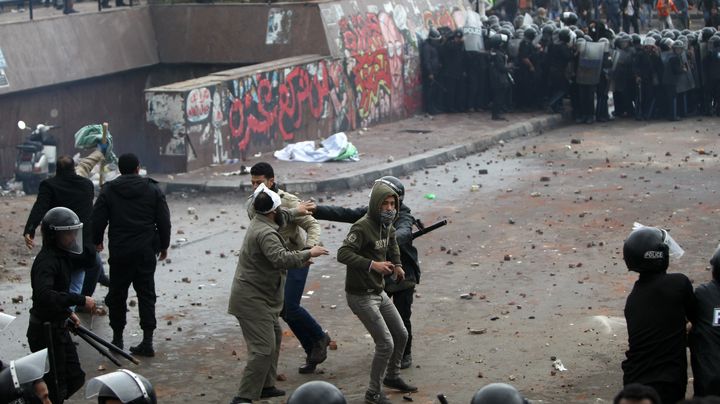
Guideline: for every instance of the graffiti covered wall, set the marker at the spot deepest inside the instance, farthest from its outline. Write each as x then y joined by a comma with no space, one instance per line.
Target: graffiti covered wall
371,76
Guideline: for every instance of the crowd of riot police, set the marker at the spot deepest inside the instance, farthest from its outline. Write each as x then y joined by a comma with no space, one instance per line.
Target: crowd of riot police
523,65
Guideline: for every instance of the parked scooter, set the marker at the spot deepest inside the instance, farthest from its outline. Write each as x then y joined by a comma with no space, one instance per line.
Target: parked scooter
36,158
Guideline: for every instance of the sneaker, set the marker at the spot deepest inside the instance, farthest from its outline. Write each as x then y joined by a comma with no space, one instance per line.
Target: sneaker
240,400
268,392
398,383
318,354
143,349
406,361
376,398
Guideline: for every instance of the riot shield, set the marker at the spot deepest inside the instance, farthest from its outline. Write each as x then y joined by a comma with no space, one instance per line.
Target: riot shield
514,47
686,82
472,33
590,63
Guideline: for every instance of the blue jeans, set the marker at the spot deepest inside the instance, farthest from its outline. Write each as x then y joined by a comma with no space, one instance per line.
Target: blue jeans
77,277
92,275
301,323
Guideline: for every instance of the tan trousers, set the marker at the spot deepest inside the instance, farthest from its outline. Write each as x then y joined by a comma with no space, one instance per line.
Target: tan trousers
262,338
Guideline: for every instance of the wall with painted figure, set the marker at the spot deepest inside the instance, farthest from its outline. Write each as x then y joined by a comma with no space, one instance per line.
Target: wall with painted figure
371,76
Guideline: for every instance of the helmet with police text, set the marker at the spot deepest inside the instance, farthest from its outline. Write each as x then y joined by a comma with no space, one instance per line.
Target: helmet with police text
395,184
498,393
317,391
123,385
569,18
647,250
61,228
18,378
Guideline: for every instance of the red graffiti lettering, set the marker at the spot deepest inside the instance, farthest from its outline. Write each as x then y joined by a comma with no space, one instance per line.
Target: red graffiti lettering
272,104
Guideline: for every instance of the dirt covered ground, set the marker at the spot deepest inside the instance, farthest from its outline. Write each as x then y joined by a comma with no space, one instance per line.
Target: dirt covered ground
534,240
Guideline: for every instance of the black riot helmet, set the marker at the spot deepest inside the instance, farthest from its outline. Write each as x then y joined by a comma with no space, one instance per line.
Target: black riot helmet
714,42
495,41
395,184
498,393
317,391
123,385
565,35
547,30
529,34
18,378
569,18
61,228
691,39
666,44
434,34
715,265
706,33
646,250
636,40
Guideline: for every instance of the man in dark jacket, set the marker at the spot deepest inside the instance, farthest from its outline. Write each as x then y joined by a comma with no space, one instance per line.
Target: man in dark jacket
370,252
705,335
430,65
139,221
76,193
51,301
656,311
401,292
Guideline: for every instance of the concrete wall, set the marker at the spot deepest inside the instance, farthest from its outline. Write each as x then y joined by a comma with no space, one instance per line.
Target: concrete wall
116,99
237,33
59,50
372,76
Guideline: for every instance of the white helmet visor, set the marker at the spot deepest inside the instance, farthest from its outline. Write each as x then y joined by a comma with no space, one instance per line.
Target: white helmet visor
29,368
124,384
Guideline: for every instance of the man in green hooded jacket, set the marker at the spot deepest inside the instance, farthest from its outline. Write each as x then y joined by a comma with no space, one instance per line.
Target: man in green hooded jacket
370,251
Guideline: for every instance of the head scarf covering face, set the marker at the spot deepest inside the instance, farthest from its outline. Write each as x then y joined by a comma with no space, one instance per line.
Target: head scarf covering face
273,195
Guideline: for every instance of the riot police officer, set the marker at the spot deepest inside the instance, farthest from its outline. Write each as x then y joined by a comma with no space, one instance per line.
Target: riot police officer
656,312
50,278
500,79
430,66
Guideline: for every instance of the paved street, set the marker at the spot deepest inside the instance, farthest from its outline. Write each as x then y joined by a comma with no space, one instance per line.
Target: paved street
535,238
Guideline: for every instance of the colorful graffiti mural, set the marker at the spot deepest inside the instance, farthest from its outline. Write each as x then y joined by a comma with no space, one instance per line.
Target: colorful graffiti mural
275,103
373,76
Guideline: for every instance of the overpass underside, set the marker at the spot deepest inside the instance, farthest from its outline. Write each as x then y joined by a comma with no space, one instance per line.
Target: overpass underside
188,85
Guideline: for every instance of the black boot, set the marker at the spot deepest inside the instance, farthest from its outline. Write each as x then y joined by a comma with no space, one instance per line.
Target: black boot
118,338
145,348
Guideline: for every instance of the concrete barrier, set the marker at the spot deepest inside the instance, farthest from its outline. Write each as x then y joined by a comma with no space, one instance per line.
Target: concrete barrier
371,76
